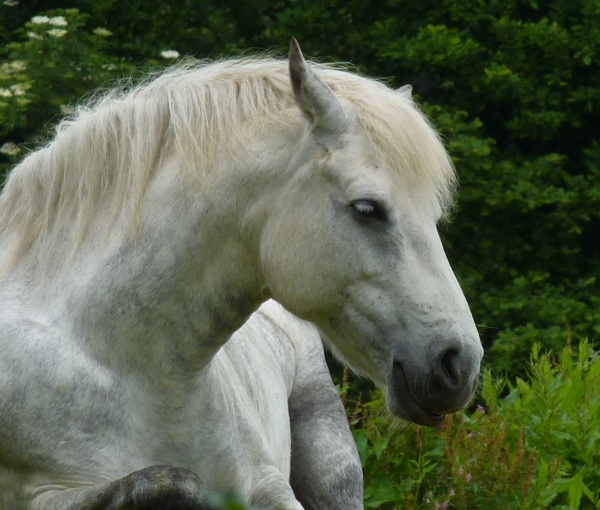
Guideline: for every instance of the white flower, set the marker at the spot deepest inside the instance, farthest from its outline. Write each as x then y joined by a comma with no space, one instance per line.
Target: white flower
5,93
18,90
10,149
33,35
169,54
40,20
15,66
11,3
102,32
57,32
58,21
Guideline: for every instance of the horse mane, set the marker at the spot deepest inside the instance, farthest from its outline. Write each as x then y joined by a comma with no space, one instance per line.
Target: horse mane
110,148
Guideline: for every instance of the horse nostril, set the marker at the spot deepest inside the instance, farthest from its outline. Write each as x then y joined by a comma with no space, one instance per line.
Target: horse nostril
451,370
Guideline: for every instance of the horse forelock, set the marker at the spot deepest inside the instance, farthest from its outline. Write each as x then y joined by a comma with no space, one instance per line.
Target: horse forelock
110,149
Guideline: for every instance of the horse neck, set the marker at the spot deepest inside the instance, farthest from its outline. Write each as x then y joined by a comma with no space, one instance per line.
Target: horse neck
168,298
172,296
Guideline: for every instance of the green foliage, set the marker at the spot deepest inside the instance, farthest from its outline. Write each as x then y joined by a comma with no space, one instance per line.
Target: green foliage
53,62
536,448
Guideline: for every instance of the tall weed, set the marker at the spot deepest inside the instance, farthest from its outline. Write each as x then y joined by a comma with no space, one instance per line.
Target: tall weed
531,444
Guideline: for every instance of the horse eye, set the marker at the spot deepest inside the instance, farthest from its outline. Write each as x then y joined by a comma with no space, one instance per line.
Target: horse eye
369,209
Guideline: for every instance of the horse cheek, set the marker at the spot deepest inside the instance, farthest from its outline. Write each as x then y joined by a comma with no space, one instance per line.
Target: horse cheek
294,270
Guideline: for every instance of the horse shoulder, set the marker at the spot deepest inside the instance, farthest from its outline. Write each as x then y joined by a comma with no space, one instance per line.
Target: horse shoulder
45,383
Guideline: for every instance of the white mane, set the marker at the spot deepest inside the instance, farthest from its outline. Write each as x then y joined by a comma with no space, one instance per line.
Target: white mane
111,148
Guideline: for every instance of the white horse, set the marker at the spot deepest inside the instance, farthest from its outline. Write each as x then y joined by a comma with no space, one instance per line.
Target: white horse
156,222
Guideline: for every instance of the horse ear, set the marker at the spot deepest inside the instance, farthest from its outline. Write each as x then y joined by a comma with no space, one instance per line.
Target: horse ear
313,96
406,91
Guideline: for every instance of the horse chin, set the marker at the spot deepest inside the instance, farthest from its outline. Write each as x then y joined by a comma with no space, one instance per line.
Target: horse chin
403,404
411,411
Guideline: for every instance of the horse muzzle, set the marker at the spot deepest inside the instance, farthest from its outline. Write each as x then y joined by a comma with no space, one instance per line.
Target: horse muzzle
424,391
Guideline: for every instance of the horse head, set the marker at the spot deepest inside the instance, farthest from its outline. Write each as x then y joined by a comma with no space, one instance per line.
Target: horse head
366,263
